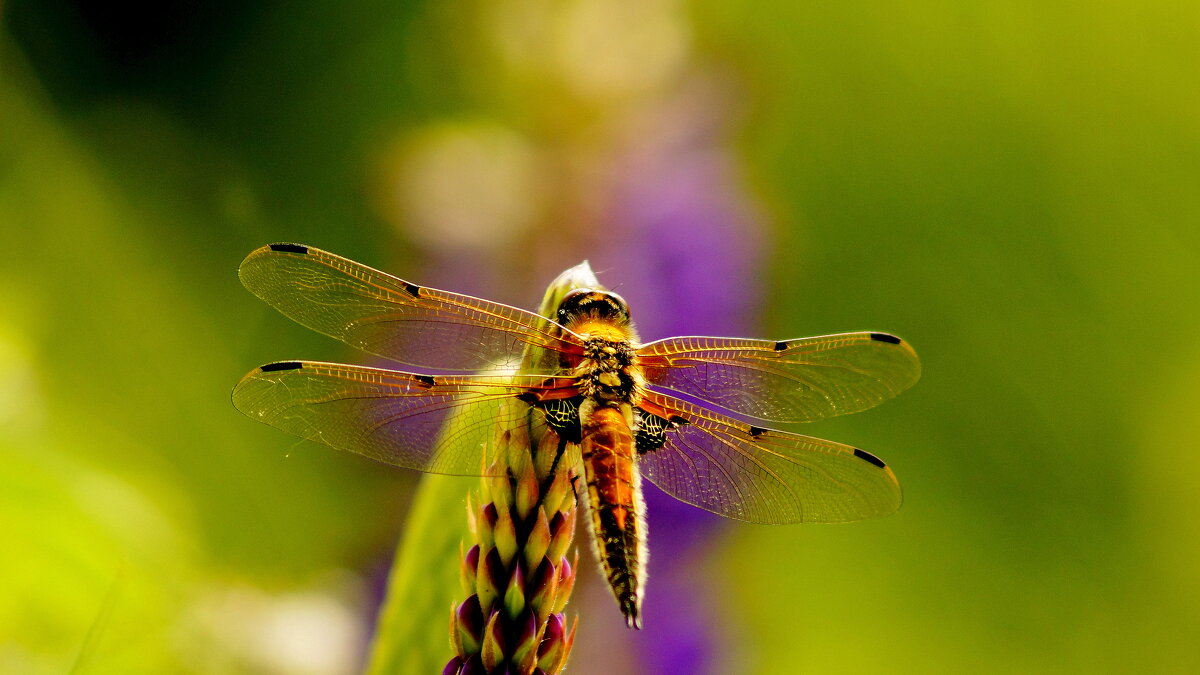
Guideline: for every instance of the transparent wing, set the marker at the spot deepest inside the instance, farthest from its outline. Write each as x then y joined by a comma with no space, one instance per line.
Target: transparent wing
790,381
437,424
761,475
393,318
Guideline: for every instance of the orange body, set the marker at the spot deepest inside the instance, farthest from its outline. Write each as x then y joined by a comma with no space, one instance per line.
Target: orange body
611,384
615,503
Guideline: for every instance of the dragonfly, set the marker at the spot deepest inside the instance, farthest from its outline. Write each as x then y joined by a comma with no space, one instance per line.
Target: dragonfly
689,414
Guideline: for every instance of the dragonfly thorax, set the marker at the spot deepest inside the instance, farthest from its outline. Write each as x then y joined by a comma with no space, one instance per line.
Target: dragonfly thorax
609,372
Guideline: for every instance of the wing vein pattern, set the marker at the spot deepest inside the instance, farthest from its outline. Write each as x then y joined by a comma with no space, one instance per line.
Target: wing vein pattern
438,424
387,316
761,475
790,381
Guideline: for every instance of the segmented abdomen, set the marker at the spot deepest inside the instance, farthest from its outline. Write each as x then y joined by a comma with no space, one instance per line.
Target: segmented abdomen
615,500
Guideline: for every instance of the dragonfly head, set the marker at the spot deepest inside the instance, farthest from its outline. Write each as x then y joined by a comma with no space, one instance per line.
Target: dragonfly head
588,304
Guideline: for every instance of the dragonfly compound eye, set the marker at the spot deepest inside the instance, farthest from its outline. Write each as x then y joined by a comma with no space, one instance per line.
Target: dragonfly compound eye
589,303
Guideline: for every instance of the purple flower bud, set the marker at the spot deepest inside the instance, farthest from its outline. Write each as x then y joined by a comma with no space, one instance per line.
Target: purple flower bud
468,569
552,645
473,666
555,628
526,641
486,526
469,623
543,589
566,583
453,667
490,580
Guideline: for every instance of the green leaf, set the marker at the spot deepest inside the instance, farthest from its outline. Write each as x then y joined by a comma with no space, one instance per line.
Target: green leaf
423,582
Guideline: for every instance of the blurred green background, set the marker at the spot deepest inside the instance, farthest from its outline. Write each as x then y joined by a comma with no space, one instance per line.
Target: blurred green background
1014,187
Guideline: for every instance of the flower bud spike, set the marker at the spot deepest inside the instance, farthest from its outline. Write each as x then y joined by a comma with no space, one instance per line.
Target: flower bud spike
522,523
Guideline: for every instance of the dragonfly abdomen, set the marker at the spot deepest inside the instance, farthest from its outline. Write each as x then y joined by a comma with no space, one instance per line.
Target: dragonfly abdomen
615,504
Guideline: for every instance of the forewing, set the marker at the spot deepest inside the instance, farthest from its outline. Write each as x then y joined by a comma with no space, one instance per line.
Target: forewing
393,318
764,476
437,424
790,381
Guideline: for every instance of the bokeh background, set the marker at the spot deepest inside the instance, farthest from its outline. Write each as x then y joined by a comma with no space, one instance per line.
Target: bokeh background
1012,186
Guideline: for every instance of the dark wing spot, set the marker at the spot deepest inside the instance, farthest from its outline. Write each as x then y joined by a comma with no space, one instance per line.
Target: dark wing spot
413,289
884,337
282,365
780,346
289,248
757,431
426,381
677,421
527,397
869,458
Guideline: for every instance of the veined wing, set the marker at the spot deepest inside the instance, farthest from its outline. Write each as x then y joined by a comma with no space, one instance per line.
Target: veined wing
393,318
761,475
437,424
790,381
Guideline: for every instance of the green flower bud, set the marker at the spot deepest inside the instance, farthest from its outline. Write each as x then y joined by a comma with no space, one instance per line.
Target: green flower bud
506,536
490,579
538,541
514,596
492,651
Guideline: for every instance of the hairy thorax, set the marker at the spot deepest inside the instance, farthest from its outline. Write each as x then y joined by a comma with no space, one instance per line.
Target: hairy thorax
609,373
